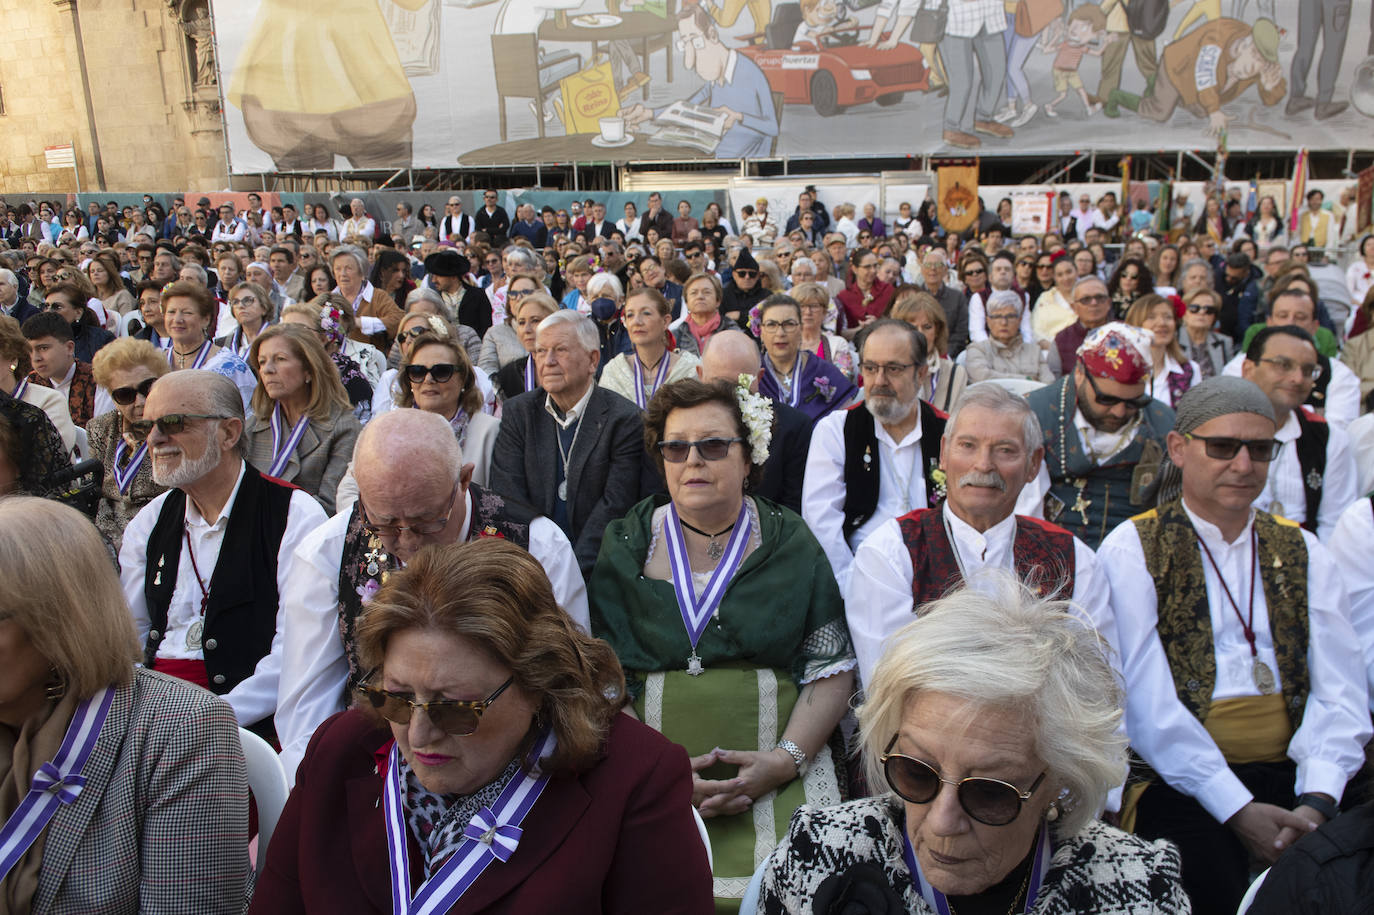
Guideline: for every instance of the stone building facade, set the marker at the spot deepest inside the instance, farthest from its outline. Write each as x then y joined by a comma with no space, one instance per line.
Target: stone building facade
129,83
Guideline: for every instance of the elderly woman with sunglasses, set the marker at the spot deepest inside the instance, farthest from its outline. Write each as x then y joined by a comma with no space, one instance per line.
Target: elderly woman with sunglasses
521,788
723,609
127,369
1198,337
992,723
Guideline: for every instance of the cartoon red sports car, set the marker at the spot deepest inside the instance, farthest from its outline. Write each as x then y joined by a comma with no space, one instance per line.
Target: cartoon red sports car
833,71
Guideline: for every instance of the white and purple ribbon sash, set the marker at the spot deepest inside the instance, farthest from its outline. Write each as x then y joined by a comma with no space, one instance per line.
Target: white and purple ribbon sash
55,783
697,612
283,446
530,383
20,388
201,355
936,899
640,400
492,835
125,478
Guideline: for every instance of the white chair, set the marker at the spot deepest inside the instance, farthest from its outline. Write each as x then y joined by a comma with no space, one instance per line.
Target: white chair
705,839
82,448
749,905
267,781
1252,892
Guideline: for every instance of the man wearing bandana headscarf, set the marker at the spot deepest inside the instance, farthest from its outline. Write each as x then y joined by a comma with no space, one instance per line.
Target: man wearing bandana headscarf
1104,436
1245,685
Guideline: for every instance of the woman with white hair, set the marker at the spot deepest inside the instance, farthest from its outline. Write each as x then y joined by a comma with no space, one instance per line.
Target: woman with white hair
516,260
607,296
378,316
1008,699
1005,353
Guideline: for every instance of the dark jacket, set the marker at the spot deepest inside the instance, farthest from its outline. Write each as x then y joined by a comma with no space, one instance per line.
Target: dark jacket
495,224
786,464
606,470
663,222
595,842
1327,872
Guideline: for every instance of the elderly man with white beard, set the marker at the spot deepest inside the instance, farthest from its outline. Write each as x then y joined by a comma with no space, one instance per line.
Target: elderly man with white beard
203,564
873,462
991,448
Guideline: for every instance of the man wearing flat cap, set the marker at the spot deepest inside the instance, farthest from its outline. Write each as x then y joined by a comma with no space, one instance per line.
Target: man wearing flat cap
1245,686
447,271
1104,436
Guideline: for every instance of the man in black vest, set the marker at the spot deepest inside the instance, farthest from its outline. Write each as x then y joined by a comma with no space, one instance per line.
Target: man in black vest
414,489
1245,684
1313,478
877,460
992,447
203,564
456,225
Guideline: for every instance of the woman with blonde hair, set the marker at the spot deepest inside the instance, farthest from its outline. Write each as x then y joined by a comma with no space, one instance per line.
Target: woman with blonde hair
127,780
303,429
127,369
437,377
1174,372
921,311
518,375
331,320
814,300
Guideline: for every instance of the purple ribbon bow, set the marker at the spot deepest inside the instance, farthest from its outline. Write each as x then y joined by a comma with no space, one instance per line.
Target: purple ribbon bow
49,778
502,839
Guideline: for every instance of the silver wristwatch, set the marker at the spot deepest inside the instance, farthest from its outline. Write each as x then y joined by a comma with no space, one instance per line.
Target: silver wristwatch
798,757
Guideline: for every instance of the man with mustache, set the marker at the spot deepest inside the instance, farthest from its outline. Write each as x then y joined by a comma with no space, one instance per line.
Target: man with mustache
878,460
204,563
991,448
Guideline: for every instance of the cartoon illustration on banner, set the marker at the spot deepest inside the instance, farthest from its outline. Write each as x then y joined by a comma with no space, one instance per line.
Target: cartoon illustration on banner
340,84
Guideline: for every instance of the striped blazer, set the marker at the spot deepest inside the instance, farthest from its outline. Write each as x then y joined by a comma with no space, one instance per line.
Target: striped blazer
161,825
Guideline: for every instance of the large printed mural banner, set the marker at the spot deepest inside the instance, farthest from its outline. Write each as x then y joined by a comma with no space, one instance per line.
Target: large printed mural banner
349,84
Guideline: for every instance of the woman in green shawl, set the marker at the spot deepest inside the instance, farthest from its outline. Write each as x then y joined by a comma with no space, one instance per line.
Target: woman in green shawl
723,610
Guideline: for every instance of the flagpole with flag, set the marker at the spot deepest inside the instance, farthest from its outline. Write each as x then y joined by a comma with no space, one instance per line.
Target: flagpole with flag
1299,191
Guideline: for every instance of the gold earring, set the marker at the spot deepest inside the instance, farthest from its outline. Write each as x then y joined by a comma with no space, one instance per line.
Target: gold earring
56,687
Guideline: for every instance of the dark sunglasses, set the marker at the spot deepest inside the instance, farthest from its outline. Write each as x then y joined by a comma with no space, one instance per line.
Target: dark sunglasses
440,372
1203,309
745,272
1111,400
710,449
171,424
456,717
990,801
1225,448
974,271
126,396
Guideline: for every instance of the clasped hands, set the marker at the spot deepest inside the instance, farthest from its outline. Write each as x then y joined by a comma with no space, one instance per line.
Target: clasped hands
1267,830
759,773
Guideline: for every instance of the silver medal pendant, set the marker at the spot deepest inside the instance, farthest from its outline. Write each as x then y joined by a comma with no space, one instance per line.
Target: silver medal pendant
694,668
1264,677
1276,509
372,568
714,550
193,635
563,491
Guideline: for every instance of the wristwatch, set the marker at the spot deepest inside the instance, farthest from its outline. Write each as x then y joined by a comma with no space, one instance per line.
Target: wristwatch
798,757
1319,804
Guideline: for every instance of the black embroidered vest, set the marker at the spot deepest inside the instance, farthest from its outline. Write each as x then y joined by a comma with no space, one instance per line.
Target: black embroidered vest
862,477
1044,556
241,617
1174,560
1311,447
366,563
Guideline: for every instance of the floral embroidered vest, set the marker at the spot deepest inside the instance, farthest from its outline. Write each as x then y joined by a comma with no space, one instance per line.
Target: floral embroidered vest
366,562
1174,560
1044,556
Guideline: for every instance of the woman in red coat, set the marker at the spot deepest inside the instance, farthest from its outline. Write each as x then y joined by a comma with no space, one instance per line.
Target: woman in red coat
487,766
864,297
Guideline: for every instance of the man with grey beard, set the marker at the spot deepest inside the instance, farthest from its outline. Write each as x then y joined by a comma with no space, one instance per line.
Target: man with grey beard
872,463
202,565
991,448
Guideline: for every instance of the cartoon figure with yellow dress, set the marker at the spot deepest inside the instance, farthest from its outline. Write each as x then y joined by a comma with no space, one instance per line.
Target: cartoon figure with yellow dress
319,78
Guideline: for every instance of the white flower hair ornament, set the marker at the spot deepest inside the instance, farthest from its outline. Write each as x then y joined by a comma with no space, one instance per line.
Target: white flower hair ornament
437,325
758,418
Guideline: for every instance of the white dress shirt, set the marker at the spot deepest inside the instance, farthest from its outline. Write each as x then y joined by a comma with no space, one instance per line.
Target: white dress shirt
1342,393
978,317
363,228
901,487
1362,447
255,697
878,600
1350,549
229,231
1285,479
314,668
1329,745
1103,446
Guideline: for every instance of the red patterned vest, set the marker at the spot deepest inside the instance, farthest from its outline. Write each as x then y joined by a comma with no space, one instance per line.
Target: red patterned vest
1044,556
